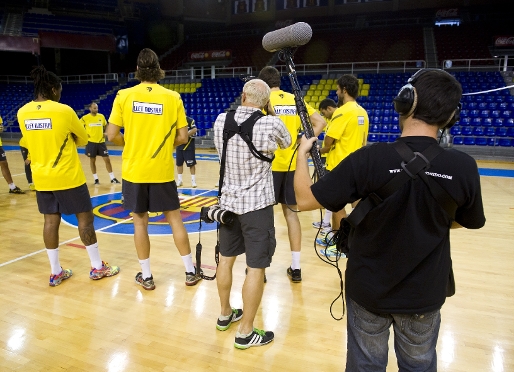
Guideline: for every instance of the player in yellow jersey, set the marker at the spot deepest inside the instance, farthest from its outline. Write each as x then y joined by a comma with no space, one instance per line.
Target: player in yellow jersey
155,123
26,159
348,130
52,132
326,108
6,173
284,165
95,124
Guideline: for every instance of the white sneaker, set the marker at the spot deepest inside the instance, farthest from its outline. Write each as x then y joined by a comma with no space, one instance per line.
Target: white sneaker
193,184
179,183
323,225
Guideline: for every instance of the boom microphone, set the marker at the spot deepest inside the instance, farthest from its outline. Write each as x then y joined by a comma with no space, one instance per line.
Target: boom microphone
288,37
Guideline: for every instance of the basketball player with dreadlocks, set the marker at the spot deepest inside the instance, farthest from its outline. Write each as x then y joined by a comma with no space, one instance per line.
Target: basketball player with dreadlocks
52,132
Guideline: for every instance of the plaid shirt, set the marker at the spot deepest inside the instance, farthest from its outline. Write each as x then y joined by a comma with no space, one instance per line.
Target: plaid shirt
248,182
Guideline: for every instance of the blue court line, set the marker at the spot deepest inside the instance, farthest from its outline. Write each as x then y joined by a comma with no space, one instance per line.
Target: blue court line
491,172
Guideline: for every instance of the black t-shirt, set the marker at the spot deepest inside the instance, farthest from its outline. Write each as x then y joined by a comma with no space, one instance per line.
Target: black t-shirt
190,145
399,258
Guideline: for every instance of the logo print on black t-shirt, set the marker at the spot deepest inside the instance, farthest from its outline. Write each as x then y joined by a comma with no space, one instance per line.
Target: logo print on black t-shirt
149,89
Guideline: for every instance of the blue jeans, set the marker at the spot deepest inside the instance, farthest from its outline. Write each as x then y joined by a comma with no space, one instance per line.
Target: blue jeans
415,339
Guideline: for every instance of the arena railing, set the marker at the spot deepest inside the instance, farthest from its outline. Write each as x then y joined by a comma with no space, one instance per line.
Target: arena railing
89,78
68,79
498,64
213,72
356,67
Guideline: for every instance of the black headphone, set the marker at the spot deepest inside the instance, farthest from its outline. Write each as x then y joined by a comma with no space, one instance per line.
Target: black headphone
407,99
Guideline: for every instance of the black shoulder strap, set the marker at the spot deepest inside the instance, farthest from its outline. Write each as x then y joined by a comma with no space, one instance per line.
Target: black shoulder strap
414,164
245,131
440,195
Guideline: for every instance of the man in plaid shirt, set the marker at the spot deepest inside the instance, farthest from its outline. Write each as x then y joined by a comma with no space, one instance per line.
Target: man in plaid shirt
248,192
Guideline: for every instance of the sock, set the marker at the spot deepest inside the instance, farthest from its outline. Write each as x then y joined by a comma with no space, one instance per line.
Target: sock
95,176
328,217
179,177
111,175
242,335
12,186
295,263
53,256
145,268
94,255
223,317
193,180
188,263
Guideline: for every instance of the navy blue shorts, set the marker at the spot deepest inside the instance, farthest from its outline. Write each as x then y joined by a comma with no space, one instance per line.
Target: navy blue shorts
150,197
93,149
283,183
70,201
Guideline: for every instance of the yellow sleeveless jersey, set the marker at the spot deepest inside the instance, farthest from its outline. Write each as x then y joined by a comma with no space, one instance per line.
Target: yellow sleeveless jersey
284,105
349,127
95,126
151,116
52,132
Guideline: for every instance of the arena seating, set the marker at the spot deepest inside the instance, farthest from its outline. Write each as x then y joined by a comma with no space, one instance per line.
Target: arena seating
78,96
33,23
485,120
109,6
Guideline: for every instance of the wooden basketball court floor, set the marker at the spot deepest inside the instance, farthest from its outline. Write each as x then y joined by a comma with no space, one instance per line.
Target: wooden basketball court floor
115,325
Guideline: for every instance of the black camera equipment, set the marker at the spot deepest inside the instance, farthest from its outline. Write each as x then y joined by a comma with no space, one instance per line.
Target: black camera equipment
215,213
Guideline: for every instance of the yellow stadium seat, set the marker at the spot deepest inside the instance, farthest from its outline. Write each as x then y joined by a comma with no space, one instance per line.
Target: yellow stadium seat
323,81
325,92
317,92
364,92
198,85
361,81
315,99
365,86
309,93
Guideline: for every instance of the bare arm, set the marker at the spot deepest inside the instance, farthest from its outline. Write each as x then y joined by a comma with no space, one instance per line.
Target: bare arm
114,135
302,179
318,123
181,137
328,142
192,132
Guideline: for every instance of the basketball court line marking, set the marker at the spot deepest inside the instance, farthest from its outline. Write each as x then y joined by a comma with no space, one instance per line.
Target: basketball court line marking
63,243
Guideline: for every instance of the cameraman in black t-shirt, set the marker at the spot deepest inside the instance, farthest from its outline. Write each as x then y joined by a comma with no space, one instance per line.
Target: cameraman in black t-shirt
399,262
